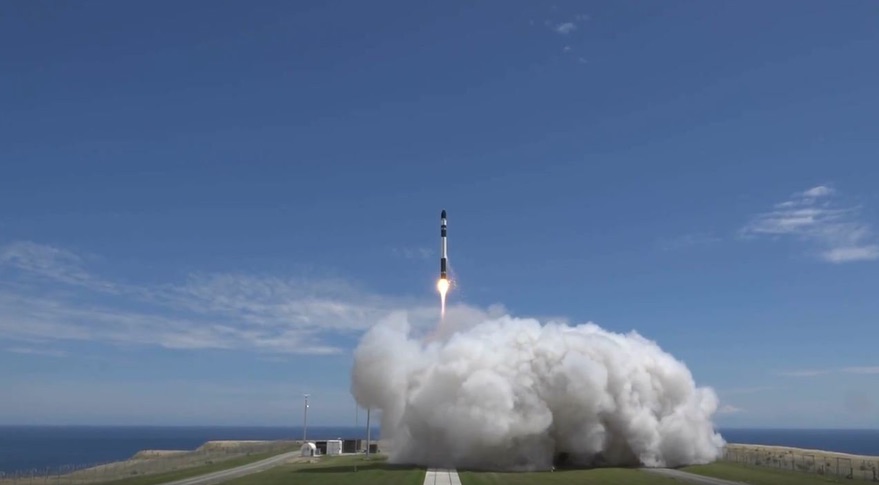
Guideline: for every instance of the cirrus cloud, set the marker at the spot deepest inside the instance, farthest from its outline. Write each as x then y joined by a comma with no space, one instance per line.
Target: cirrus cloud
566,28
814,216
48,294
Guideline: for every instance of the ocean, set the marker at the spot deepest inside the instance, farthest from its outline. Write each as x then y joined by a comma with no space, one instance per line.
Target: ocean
51,447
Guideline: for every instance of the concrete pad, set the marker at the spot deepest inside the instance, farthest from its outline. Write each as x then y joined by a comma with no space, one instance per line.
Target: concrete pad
441,476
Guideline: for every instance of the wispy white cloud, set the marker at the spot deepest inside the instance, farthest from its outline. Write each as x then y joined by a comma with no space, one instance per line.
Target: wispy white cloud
729,409
823,372
105,400
804,372
846,254
819,191
566,28
814,216
36,351
64,301
861,370
55,263
744,390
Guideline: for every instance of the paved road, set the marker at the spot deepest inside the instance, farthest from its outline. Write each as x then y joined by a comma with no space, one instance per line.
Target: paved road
691,477
441,476
223,475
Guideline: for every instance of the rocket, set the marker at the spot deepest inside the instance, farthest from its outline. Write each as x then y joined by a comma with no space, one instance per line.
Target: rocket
443,246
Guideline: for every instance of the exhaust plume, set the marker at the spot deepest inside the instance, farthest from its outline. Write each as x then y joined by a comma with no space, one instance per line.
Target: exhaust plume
504,393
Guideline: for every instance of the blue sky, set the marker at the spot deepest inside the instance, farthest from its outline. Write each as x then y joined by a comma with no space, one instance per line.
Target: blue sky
204,205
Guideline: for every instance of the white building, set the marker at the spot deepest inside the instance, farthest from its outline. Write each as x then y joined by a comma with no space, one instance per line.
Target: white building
308,449
334,447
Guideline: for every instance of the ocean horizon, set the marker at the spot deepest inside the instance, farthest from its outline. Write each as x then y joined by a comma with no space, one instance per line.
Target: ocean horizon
49,447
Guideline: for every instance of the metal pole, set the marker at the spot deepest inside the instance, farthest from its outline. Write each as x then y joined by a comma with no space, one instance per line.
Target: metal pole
305,420
367,431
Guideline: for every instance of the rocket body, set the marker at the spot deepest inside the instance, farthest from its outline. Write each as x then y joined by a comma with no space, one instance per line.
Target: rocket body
444,248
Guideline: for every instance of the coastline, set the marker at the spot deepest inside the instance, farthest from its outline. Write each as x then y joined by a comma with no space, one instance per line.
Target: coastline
228,446
802,459
740,450
166,449
62,449
153,461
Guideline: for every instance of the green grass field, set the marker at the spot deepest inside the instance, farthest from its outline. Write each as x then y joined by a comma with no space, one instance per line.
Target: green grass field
336,470
340,470
762,476
358,470
598,476
195,471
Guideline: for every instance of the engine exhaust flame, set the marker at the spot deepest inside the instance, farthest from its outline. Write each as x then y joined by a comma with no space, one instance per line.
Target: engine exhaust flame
442,285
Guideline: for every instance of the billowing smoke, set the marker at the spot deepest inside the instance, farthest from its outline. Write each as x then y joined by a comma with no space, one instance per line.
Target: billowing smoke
505,393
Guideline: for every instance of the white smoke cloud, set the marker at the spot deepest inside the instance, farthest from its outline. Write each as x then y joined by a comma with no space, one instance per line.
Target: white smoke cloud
514,394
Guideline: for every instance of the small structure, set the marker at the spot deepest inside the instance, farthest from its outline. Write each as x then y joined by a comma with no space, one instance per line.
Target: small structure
308,449
352,446
334,447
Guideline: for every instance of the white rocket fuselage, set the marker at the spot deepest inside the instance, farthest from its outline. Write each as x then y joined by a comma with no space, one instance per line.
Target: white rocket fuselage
444,248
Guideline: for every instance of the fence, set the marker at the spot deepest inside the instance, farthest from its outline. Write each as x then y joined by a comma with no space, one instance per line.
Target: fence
820,464
144,464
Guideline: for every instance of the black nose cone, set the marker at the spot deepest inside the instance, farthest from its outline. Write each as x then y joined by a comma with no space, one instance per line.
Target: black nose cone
443,214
